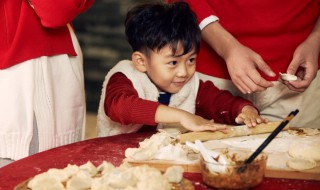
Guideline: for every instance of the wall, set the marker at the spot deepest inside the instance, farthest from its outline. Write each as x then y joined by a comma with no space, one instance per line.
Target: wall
101,35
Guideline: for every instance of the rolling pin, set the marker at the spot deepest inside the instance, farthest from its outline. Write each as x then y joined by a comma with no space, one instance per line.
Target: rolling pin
234,131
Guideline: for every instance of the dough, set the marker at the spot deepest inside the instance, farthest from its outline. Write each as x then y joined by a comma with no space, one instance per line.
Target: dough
288,77
174,174
115,178
45,181
171,152
105,167
79,182
89,168
301,163
160,146
308,149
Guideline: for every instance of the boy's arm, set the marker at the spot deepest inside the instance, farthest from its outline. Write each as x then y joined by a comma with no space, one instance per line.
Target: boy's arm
219,105
123,105
192,122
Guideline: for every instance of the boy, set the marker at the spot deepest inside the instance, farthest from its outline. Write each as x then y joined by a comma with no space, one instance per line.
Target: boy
160,85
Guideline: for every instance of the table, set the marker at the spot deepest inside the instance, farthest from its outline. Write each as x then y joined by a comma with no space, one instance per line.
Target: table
110,149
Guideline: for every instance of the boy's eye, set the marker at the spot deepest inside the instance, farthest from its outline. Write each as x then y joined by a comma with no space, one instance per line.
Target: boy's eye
192,61
173,63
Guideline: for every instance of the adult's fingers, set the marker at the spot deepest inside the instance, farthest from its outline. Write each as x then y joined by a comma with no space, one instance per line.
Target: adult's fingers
298,86
253,86
257,79
241,85
305,76
293,66
263,66
253,83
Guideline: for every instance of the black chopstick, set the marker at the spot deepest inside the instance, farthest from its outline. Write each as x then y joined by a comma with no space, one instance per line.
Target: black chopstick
269,138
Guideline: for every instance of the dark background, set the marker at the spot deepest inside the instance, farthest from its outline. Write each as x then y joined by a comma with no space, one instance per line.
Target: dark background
100,32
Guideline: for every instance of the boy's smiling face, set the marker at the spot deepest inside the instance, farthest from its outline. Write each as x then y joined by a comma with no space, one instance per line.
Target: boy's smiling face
167,71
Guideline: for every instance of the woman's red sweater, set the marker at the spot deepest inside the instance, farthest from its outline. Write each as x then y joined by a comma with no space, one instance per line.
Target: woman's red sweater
28,33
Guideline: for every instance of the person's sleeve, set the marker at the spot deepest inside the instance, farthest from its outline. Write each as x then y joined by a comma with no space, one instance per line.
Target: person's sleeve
122,103
205,13
57,13
219,105
201,8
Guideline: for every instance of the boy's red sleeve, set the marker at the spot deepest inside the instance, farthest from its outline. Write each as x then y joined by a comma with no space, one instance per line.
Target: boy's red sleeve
57,13
122,103
219,105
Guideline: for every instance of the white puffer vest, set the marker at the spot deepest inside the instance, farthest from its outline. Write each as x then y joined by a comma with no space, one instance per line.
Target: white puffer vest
185,99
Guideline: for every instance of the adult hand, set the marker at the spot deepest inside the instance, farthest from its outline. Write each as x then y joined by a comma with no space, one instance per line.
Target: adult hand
304,64
242,63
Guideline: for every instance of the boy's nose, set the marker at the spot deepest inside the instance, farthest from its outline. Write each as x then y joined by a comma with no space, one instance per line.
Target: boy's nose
182,71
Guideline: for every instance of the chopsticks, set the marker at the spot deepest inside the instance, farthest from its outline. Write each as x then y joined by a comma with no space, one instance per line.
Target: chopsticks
269,139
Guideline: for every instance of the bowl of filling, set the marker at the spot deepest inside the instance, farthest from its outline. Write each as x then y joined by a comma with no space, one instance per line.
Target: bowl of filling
225,169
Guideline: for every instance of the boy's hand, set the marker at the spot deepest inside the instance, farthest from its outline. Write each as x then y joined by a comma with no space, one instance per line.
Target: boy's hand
197,123
249,116
166,114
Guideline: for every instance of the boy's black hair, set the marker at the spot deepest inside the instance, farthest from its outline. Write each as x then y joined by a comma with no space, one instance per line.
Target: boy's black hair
155,25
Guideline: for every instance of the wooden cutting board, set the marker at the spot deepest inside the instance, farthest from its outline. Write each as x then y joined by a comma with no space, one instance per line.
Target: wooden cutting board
272,171
313,174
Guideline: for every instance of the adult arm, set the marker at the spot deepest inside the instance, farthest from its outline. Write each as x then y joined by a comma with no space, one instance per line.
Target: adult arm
242,62
57,13
305,59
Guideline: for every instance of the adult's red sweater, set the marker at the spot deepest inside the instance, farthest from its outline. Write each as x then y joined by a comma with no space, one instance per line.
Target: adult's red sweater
28,33
272,28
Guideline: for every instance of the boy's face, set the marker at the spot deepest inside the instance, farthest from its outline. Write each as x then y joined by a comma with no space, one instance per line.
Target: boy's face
169,72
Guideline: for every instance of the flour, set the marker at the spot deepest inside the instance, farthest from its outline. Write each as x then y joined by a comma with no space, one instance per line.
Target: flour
281,149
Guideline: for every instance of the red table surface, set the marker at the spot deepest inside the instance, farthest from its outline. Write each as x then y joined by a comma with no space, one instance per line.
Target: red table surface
110,149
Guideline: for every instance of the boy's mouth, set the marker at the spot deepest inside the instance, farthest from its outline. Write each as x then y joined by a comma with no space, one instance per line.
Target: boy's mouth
179,83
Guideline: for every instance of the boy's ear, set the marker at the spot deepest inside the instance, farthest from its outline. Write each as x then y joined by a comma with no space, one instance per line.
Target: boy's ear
139,61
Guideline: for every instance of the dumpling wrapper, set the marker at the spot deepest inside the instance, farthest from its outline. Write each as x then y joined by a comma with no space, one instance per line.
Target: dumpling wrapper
71,170
121,179
78,182
305,149
105,167
288,77
172,152
301,164
150,178
45,181
89,168
174,174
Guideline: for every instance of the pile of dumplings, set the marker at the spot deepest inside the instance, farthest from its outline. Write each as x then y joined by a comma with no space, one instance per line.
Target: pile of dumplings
106,176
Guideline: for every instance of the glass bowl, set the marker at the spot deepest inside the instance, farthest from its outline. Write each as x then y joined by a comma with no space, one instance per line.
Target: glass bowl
237,175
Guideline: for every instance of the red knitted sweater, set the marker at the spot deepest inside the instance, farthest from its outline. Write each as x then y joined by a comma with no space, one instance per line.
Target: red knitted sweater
28,33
